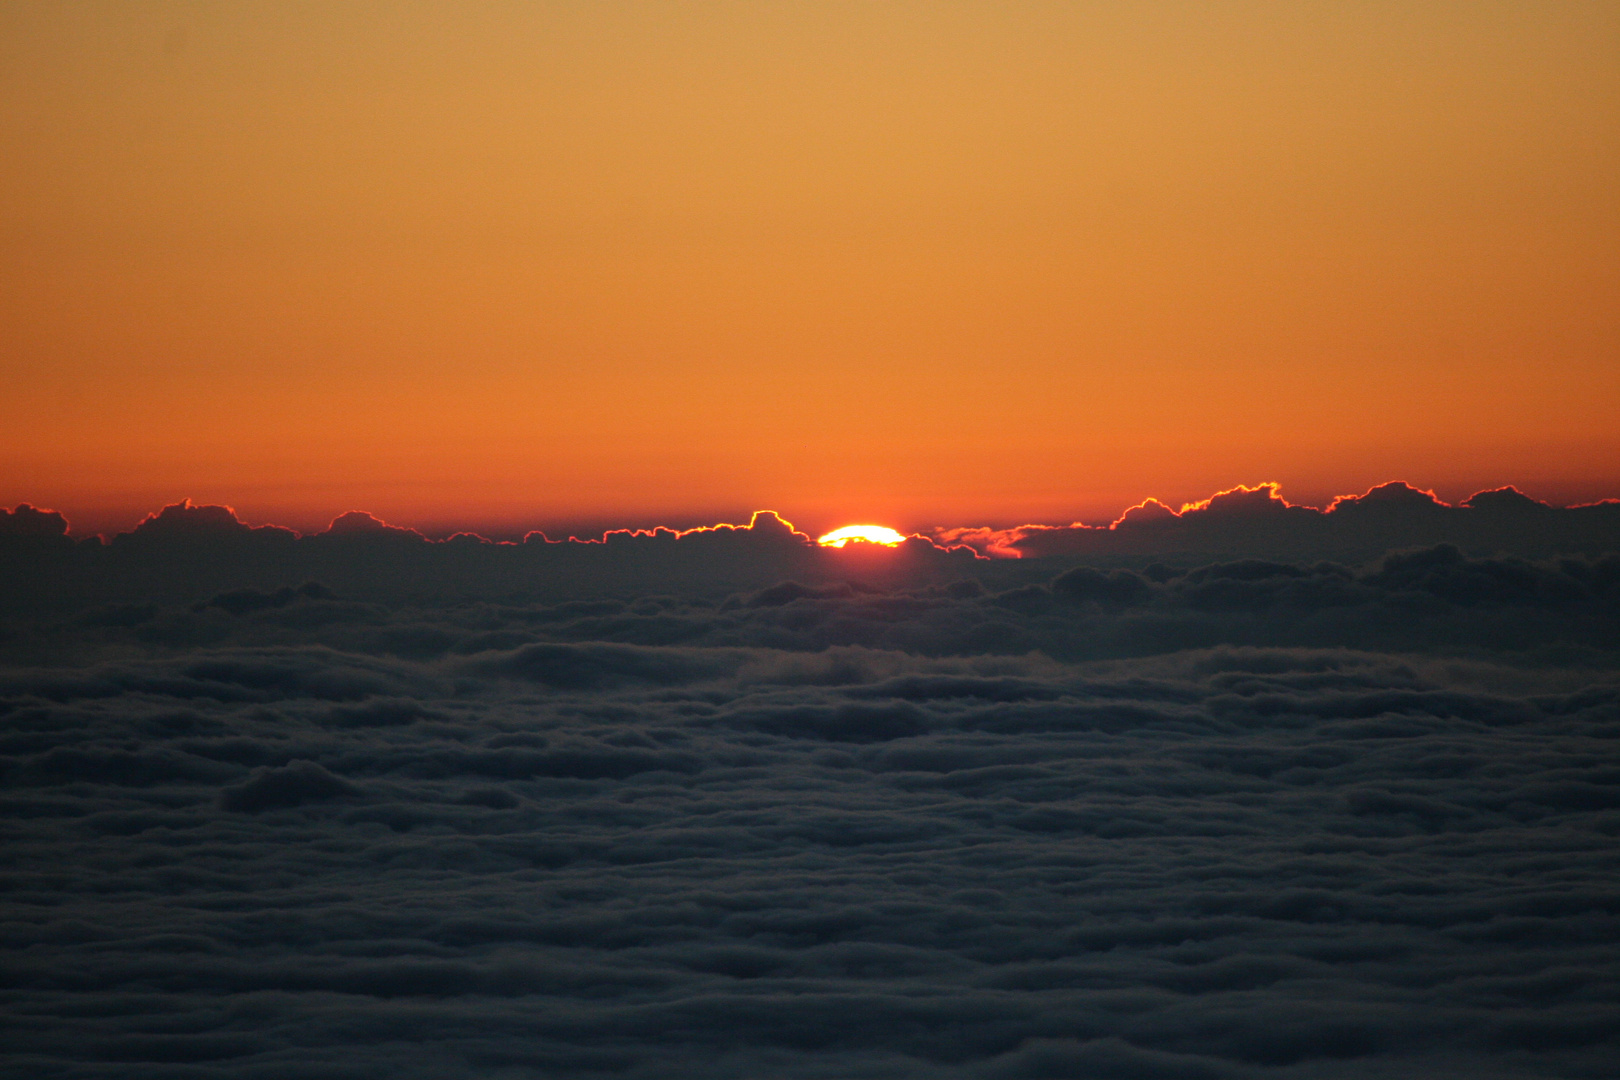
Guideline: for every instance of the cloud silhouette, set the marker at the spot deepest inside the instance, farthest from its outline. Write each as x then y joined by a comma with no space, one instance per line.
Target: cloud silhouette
29,523
194,552
189,551
359,525
183,524
1258,521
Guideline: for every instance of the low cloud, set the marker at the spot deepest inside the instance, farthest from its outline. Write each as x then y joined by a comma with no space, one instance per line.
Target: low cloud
1247,817
1232,862
294,784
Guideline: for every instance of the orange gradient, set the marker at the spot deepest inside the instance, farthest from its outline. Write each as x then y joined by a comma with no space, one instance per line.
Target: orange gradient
563,265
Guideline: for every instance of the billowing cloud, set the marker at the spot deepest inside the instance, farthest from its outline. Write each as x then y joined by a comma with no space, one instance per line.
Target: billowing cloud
1259,521
627,860
187,551
30,523
194,552
714,804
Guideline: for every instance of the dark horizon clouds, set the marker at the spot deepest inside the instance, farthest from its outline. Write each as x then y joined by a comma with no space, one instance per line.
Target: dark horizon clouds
1257,518
196,549
1257,514
729,805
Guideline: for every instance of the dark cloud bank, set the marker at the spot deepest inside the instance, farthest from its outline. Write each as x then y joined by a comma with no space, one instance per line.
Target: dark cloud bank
357,805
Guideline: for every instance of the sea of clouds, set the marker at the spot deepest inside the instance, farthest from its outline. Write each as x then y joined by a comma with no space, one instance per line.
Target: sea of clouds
1244,819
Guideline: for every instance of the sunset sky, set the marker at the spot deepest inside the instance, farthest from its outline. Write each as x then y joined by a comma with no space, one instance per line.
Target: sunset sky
515,264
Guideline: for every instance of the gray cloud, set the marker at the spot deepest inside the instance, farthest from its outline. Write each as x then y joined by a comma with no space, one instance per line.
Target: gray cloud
740,860
1249,818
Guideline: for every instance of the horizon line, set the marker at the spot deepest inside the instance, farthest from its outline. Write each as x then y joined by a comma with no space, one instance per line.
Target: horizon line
1265,496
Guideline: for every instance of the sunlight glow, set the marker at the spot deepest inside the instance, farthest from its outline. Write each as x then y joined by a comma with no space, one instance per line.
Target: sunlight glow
871,534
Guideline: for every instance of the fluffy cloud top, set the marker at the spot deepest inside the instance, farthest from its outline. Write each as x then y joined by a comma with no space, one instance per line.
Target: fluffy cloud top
1249,819
1259,521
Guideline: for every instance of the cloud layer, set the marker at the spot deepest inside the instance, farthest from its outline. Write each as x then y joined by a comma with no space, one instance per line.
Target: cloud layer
1251,819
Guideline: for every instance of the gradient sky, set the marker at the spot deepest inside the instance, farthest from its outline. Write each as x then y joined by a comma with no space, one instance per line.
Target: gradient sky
914,263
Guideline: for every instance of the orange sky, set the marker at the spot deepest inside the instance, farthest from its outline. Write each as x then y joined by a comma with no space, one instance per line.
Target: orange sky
914,263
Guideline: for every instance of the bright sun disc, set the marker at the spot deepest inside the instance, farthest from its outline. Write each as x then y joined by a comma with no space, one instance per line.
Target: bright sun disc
872,534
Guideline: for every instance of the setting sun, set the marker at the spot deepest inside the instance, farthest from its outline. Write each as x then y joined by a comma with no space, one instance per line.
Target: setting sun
871,534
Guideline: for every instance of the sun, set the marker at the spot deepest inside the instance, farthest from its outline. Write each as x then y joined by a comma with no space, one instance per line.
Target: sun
871,534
